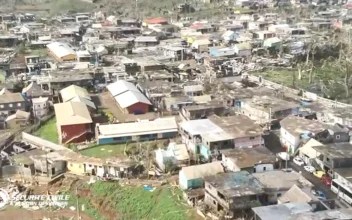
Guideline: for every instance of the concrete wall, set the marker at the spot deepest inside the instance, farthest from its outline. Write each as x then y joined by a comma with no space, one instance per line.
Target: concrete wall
9,171
285,88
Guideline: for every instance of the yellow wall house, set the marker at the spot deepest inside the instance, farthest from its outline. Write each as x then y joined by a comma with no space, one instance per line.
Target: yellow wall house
62,52
76,167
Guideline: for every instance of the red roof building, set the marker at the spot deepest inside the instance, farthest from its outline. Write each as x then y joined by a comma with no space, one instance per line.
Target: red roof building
156,21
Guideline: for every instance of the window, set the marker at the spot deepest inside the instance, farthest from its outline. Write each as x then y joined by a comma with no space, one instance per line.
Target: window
10,105
19,104
337,137
334,184
348,194
251,138
327,159
264,168
214,202
279,194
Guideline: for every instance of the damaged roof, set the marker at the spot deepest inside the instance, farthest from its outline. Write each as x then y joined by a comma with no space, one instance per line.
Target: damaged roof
297,125
282,211
237,126
267,103
277,180
235,184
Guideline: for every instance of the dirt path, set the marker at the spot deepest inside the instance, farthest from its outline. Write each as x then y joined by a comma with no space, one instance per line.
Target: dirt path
107,102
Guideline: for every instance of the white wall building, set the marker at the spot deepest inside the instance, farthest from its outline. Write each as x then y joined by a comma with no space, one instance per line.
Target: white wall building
40,106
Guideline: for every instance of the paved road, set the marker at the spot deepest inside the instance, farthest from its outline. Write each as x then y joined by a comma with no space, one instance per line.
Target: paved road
318,184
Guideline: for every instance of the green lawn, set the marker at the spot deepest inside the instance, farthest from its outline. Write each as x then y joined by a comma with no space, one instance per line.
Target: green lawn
104,151
115,150
48,131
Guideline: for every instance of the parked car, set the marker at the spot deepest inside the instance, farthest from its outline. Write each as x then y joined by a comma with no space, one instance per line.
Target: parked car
298,161
319,173
309,169
319,194
326,179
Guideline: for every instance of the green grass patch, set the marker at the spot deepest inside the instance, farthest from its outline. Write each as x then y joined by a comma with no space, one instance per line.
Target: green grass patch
104,151
48,131
39,52
60,6
116,150
136,203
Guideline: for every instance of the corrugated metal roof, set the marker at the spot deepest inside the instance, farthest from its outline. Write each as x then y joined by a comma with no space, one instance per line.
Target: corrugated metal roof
60,49
85,101
120,87
129,98
71,113
72,91
137,128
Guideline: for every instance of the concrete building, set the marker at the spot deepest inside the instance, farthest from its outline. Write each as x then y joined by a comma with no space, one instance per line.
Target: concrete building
265,109
228,192
19,119
253,160
334,156
278,182
296,129
40,106
191,177
208,136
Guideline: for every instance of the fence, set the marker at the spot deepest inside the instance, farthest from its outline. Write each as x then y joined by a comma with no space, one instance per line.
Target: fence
41,142
295,91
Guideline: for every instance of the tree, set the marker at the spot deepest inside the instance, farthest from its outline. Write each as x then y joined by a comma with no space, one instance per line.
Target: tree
344,65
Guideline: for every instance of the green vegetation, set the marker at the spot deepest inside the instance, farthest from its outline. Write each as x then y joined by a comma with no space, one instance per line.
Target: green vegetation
114,150
104,151
89,209
326,76
285,77
48,131
39,52
58,6
136,203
